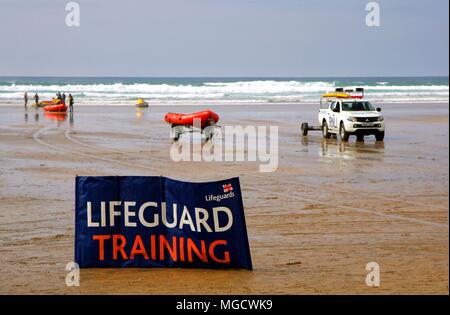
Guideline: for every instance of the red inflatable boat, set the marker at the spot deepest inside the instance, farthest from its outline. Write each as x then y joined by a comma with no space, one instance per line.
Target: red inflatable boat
56,108
51,102
206,117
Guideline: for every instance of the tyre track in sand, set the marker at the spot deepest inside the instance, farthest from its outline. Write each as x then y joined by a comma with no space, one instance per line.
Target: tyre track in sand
37,136
283,180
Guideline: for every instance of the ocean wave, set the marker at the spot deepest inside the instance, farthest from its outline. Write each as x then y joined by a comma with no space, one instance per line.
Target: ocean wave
252,91
254,87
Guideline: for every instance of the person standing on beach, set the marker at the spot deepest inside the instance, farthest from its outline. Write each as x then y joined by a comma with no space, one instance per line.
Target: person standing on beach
25,98
36,100
63,97
71,102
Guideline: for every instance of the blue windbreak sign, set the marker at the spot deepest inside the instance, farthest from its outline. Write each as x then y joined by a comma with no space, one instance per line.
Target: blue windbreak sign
141,221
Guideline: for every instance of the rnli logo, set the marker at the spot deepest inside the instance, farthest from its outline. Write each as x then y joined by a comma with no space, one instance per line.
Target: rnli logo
227,188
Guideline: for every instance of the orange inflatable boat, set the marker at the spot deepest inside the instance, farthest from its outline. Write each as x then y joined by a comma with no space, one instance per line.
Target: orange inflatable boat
206,117
51,102
56,108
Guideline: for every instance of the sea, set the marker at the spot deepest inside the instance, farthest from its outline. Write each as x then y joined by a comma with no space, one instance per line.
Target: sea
209,91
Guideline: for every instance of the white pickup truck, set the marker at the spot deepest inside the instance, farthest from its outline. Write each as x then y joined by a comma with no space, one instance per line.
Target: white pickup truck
347,116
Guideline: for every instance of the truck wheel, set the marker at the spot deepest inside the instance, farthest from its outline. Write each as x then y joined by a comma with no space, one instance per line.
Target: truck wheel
325,131
343,133
304,129
379,136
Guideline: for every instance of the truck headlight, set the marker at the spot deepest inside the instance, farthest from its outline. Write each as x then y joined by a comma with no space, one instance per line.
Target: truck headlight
381,118
353,119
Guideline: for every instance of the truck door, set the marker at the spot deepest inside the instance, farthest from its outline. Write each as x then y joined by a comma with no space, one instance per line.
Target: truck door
335,109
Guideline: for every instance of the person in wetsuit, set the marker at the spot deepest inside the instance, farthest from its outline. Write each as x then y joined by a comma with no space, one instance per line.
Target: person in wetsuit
36,100
71,102
25,99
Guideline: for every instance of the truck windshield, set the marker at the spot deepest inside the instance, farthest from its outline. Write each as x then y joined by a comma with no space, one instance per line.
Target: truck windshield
357,106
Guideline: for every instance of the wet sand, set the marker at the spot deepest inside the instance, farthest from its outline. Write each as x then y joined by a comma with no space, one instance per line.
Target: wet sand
313,225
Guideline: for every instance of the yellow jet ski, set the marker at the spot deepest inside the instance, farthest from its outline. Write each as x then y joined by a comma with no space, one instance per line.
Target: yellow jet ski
141,103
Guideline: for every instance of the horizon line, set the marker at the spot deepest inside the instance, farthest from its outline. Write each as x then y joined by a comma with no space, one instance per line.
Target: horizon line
223,77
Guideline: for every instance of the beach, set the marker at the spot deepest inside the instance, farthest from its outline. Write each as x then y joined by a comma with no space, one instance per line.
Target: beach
313,225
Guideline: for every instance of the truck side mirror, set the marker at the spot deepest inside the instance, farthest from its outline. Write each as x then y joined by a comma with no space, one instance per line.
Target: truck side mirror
378,109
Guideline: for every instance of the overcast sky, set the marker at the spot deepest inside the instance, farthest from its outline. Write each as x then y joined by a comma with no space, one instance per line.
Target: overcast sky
224,38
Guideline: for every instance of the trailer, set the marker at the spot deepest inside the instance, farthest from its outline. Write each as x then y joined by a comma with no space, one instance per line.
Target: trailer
307,127
207,132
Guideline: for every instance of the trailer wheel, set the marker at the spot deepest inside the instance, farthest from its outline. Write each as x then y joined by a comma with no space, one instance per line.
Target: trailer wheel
304,129
208,135
175,133
176,136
